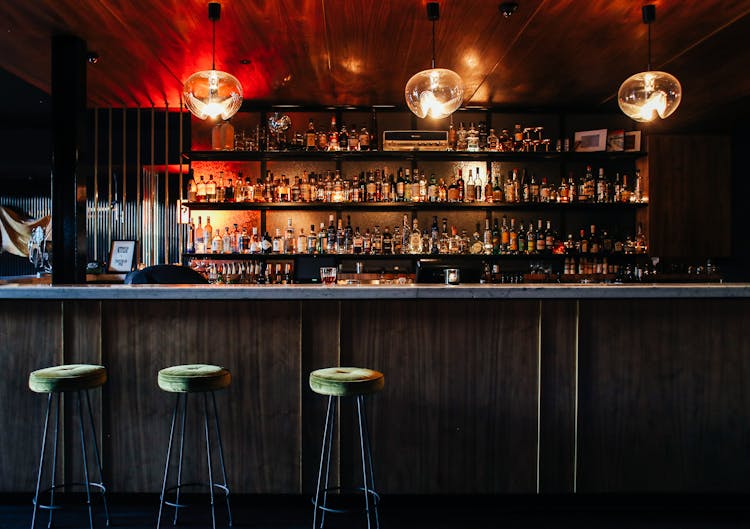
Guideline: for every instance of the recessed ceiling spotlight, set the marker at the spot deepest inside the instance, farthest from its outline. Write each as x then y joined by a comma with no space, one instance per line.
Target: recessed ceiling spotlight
92,57
244,61
508,8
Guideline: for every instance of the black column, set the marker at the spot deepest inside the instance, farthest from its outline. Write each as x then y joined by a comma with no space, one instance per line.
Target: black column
68,170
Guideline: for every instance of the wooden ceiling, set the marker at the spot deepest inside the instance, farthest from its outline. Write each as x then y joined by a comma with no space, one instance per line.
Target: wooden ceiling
549,53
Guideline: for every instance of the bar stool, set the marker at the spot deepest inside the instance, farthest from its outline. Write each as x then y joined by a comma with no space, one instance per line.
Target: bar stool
184,380
54,381
346,382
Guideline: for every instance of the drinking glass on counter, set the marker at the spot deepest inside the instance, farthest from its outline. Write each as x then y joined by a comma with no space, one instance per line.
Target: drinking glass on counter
328,275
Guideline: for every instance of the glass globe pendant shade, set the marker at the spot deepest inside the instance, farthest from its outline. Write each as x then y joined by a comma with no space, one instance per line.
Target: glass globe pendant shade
437,93
213,94
646,95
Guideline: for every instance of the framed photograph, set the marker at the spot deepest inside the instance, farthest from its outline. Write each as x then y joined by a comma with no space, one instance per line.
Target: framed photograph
632,141
616,140
590,140
122,257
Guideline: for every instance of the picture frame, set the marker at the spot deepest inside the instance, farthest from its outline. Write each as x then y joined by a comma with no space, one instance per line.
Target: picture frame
632,141
590,140
616,140
122,257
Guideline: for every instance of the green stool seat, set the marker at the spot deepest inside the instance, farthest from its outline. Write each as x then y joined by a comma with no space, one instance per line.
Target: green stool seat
70,377
346,381
193,378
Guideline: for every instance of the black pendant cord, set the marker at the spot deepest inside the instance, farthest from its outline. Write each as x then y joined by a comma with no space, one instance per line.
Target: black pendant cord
433,44
213,45
649,46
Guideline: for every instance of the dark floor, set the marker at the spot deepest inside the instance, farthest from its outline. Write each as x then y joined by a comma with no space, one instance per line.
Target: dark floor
511,512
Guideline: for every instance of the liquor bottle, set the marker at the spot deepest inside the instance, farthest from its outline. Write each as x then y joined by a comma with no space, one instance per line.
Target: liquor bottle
343,138
582,244
400,186
495,238
637,195
472,138
462,138
353,142
497,191
434,237
478,186
296,190
444,237
229,191
492,141
310,136
415,238
625,194
192,188
348,235
461,187
367,242
549,238
482,132
340,243
531,239
432,189
405,235
601,187
333,136
216,243
422,187
278,242
191,237
211,189
321,138
512,238
357,242
220,190
454,242
504,236
594,241
331,236
470,192
452,136
407,186
589,186
487,238
534,190
248,190
541,247
522,240
364,140
505,143
312,240
517,138
322,239
544,191
208,233
370,188
226,241
442,191
377,241
387,242
488,193
200,191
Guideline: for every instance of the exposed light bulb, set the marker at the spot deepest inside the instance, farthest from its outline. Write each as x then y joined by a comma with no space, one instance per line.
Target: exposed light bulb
436,93
646,95
213,94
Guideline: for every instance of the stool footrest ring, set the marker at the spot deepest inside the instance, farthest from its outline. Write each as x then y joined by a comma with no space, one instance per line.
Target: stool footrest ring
354,490
219,486
102,490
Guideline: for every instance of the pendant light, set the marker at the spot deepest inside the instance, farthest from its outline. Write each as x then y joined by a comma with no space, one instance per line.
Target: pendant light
437,92
213,93
649,94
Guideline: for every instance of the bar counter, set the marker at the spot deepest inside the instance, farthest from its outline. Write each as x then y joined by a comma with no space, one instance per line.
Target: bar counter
488,389
367,292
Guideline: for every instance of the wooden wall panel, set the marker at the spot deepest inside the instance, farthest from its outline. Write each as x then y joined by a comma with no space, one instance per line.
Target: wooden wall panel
663,405
259,342
30,339
558,396
320,348
459,410
690,196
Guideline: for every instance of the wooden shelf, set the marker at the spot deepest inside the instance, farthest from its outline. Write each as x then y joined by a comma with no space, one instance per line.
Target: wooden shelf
413,206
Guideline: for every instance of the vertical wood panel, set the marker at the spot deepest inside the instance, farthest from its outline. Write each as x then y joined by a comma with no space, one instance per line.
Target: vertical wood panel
259,342
459,410
320,348
690,196
558,397
663,406
31,339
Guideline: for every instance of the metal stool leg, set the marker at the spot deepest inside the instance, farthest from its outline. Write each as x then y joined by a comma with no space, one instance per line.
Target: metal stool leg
364,465
179,462
85,463
329,456
41,461
208,460
98,459
221,458
322,458
54,462
166,466
368,449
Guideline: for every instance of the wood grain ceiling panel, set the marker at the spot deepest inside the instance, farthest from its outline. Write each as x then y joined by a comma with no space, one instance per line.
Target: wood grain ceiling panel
550,53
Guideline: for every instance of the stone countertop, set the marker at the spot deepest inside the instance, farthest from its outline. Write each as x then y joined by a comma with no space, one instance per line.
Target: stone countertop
341,292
